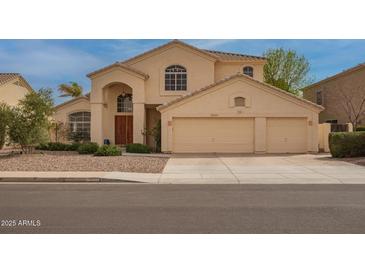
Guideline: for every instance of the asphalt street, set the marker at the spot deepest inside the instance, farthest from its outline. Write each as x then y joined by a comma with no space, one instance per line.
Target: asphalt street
144,208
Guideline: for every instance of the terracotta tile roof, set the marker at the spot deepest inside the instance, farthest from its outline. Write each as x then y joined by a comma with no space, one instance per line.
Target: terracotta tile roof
121,65
6,77
343,73
238,75
228,56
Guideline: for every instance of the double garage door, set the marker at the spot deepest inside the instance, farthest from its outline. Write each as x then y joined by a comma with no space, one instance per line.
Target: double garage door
237,135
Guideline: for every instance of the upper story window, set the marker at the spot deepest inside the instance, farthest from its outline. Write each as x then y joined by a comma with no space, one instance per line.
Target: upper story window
239,102
248,71
124,103
175,78
319,97
80,125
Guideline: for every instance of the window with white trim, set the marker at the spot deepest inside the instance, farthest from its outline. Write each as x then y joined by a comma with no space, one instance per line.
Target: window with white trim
80,125
175,78
124,103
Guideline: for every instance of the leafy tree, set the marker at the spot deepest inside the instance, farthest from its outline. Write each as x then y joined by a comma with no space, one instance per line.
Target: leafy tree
72,89
29,121
286,70
4,122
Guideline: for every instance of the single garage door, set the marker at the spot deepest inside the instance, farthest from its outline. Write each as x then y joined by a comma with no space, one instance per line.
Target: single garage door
286,135
213,135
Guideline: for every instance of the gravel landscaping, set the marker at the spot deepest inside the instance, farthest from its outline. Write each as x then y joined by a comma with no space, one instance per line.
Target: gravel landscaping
76,162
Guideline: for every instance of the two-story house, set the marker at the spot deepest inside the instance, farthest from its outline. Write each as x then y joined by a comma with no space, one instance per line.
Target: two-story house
341,95
207,101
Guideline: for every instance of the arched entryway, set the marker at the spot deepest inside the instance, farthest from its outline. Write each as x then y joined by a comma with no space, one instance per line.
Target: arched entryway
118,113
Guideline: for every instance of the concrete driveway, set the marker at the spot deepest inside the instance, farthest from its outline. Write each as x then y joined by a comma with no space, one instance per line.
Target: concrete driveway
260,169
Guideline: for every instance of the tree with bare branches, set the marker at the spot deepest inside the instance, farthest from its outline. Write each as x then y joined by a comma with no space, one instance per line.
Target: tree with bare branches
351,102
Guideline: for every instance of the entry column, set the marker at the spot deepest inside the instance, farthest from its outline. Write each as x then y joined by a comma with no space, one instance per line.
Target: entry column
260,135
96,130
139,123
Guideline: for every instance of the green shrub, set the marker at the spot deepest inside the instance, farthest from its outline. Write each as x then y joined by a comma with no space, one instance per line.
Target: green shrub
88,148
347,144
56,146
137,148
108,150
42,147
361,128
73,146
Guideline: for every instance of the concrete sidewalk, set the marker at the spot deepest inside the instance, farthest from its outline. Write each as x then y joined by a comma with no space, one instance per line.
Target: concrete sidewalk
220,169
66,176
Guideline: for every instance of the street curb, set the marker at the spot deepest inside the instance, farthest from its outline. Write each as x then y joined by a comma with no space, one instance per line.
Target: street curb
66,180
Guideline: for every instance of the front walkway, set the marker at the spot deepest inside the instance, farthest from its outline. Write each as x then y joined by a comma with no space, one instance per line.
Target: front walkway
260,169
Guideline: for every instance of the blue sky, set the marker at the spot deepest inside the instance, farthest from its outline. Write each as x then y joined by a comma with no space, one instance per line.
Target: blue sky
47,63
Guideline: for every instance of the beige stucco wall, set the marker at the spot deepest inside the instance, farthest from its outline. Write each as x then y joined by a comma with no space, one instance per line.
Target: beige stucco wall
11,93
200,72
261,101
330,90
226,69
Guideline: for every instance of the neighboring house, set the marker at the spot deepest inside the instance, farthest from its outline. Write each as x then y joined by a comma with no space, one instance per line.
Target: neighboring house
334,92
13,88
207,101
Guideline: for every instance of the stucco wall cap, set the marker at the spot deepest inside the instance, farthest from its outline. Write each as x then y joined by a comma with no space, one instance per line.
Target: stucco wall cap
234,76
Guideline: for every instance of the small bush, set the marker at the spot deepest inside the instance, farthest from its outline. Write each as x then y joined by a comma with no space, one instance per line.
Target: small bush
42,147
88,148
56,146
73,146
362,128
347,144
108,150
137,148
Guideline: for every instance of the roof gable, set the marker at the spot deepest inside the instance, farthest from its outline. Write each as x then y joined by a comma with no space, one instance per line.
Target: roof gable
166,46
338,75
121,66
8,77
80,98
240,76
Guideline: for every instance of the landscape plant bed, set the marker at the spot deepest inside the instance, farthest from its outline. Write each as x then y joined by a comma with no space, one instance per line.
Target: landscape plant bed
355,160
72,162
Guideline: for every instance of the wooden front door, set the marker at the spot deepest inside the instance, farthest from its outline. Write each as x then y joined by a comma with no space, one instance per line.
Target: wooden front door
123,130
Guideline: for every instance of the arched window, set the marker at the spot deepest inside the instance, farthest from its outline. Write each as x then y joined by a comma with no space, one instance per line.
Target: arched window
175,78
239,102
248,71
124,103
80,126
